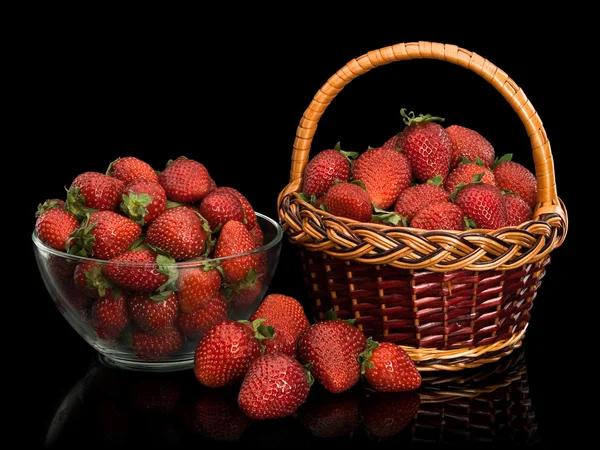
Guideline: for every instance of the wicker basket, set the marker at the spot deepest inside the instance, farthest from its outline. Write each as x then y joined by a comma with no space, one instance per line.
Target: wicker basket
453,300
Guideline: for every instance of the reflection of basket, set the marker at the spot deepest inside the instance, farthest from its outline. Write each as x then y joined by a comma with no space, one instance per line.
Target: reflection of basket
453,300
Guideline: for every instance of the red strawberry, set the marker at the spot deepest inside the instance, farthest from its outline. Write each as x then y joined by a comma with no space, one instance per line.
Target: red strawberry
388,368
194,324
130,169
288,319
196,286
110,315
327,415
154,313
151,345
415,198
180,232
219,207
257,235
93,191
514,177
469,144
332,346
225,352
325,168
235,239
243,295
349,200
141,270
275,386
387,414
427,145
385,173
249,213
143,201
392,143
517,210
89,278
466,173
54,227
439,216
104,235
482,204
185,180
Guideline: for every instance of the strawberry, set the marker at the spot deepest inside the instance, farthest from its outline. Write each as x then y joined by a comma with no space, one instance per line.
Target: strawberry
387,414
110,315
327,415
151,345
388,368
441,215
249,213
243,295
483,204
197,285
225,352
415,198
89,278
235,239
517,210
349,200
275,386
385,173
93,191
180,232
288,319
104,235
427,145
219,207
194,324
143,201
469,144
514,177
53,203
141,270
185,180
325,168
392,143
54,227
467,172
257,235
332,347
154,313
131,169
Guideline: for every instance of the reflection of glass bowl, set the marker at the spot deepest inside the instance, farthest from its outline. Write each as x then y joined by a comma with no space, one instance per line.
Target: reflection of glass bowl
76,304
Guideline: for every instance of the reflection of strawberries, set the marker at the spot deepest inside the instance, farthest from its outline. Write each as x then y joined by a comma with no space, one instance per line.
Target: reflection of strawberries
156,393
385,415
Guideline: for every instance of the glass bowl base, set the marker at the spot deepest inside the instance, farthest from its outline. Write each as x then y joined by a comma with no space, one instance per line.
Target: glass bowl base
150,366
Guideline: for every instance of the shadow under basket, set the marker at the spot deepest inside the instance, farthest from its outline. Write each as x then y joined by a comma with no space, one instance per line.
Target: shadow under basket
452,299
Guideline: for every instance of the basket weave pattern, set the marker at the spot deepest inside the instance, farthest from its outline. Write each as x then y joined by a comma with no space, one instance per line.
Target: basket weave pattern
453,300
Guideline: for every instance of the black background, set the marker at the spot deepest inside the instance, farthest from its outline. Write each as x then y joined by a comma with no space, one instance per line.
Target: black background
232,99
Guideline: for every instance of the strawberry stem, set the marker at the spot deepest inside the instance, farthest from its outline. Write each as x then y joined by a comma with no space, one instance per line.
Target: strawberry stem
134,206
364,358
80,241
47,205
436,181
75,204
391,217
502,159
410,118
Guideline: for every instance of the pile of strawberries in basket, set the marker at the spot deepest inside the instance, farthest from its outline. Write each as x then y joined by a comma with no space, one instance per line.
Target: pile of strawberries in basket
275,357
426,177
136,223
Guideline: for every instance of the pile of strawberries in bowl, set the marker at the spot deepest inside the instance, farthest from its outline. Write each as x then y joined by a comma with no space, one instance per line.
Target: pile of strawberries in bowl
141,263
425,177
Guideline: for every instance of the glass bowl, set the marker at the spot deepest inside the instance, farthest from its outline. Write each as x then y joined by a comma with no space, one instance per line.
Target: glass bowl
135,348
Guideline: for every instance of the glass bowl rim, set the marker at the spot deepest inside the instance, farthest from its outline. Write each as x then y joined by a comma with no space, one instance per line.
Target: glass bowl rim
190,263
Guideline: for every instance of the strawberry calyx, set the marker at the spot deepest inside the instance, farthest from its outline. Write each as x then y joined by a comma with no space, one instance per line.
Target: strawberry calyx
477,161
470,224
508,192
476,179
81,241
230,288
110,167
332,315
364,358
309,376
348,155
75,203
261,332
46,206
166,266
171,204
134,206
390,217
436,181
96,281
410,118
502,159
310,200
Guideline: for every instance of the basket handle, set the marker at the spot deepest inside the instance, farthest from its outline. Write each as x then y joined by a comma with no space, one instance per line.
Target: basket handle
547,196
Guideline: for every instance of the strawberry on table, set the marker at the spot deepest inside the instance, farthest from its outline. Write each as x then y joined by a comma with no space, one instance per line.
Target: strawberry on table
154,313
441,215
104,235
325,168
219,207
235,239
275,386
110,315
467,172
197,285
141,270
469,144
426,144
130,169
349,200
388,368
517,209
194,324
185,180
54,226
514,177
385,173
152,345
93,191
143,201
326,415
483,204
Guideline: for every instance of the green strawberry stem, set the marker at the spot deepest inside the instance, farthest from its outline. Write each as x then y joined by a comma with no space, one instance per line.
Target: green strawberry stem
309,375
96,281
172,204
166,266
75,204
261,332
332,315
161,296
470,224
140,244
110,166
311,200
47,205
436,181
477,177
508,192
410,118
390,217
80,241
365,357
230,288
504,158
134,205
